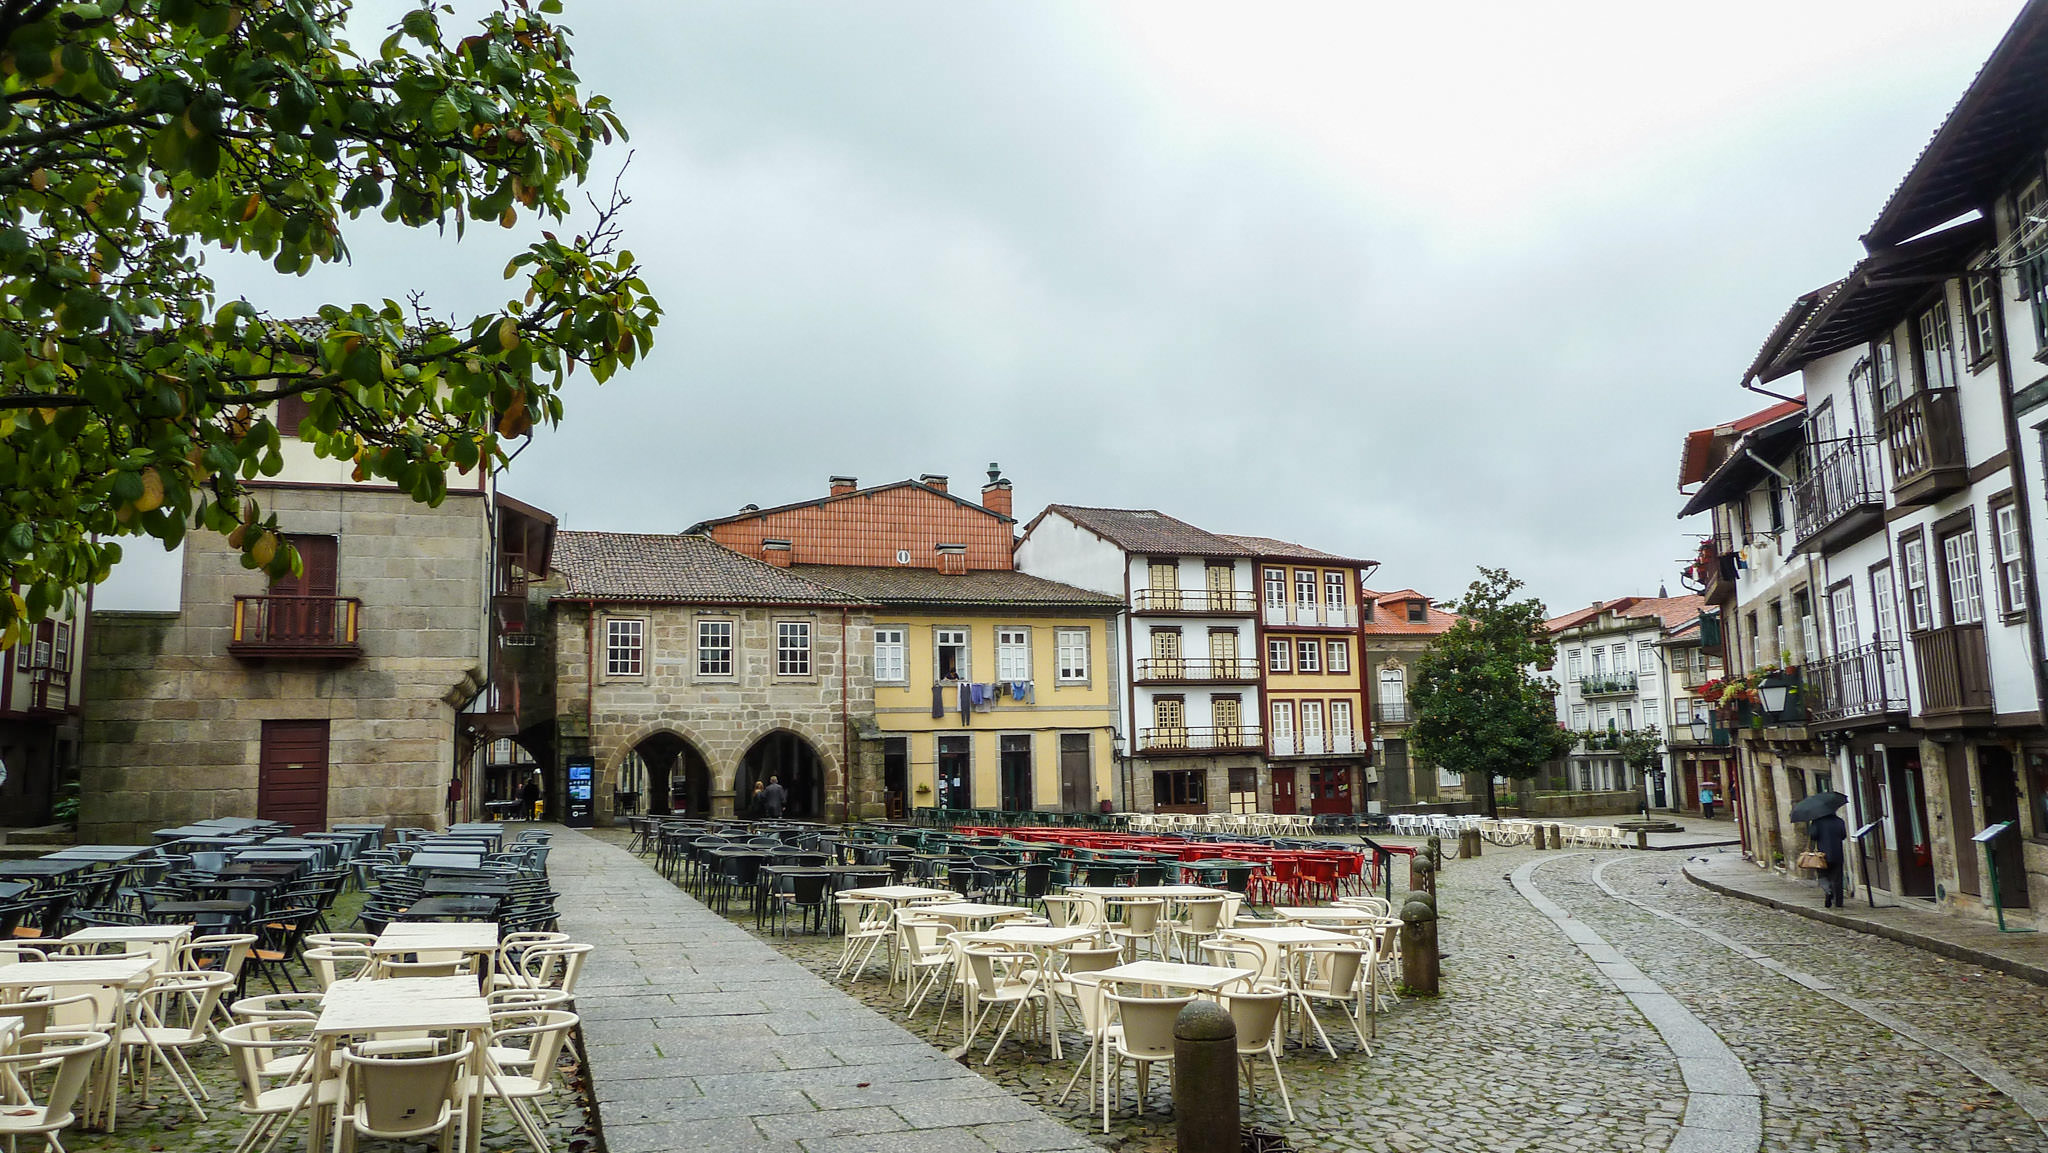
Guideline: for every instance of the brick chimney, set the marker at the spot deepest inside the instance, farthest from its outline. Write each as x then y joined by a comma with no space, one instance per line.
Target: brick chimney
952,559
995,495
841,485
777,552
935,480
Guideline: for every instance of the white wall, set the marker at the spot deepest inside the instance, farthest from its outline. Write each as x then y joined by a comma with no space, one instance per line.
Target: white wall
1060,550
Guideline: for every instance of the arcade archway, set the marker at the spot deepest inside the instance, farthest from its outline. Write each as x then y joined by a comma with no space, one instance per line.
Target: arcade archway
793,761
674,776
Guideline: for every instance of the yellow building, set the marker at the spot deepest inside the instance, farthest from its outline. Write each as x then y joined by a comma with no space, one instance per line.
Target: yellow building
993,688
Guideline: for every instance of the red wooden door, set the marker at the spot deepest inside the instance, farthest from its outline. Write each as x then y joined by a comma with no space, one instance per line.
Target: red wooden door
291,775
304,613
1283,791
1329,789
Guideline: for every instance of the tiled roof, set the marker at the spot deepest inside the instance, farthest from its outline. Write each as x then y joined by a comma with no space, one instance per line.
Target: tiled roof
1696,462
986,587
1148,530
1390,616
1267,548
1668,612
871,490
677,567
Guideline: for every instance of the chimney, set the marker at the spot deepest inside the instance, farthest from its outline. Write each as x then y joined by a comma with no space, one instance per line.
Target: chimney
777,552
952,559
995,495
935,480
841,485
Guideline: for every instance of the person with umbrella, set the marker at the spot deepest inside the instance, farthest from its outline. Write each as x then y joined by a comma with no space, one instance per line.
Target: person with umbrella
1829,834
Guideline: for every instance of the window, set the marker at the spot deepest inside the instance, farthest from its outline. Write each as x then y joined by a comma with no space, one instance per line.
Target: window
1170,715
1164,575
1842,618
1180,789
1276,588
2012,568
1013,654
1365,608
622,647
892,661
1937,348
1418,612
1884,369
1620,659
1305,588
1339,657
1919,610
1579,718
1341,731
1981,291
1309,656
60,655
1333,592
951,650
1965,587
1651,714
1646,662
1283,725
792,648
1571,664
1312,726
1073,654
714,648
1599,661
1603,717
1627,717
1279,656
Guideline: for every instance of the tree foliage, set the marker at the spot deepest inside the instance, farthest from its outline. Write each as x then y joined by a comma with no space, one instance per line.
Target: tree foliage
1478,709
136,134
1641,749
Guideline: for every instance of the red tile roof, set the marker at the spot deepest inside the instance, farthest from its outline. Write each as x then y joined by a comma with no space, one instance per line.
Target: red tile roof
1147,530
870,526
1669,612
1696,462
1390,616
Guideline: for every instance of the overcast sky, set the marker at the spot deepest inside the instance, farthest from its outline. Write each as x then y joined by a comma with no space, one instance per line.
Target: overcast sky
1437,284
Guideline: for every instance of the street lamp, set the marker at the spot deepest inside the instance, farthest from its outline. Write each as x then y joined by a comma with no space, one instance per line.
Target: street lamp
1702,730
1772,698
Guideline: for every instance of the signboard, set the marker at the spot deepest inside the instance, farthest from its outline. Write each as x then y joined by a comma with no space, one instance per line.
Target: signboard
1866,830
1993,833
582,812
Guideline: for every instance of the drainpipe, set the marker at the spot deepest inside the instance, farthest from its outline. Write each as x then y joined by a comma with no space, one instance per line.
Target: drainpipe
845,725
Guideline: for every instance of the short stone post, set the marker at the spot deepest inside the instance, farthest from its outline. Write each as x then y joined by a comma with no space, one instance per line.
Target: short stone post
1537,839
1643,839
1435,847
1556,837
1468,842
1421,967
1422,874
1205,1117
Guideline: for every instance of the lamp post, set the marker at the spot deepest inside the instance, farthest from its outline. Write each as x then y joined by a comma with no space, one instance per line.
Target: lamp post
1771,697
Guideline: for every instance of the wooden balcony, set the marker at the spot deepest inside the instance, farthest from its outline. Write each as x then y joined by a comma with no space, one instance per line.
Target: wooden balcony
1924,433
1182,741
1841,498
1862,685
1713,571
315,628
1193,603
1197,671
49,687
1955,676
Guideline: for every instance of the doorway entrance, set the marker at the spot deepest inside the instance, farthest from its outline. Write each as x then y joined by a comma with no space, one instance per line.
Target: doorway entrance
1329,789
1909,823
1283,790
1864,779
791,760
2002,803
1077,773
895,775
1014,750
1962,822
678,778
291,775
956,775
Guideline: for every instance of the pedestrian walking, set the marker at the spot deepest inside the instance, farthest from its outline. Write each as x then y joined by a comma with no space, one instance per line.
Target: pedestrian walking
755,807
454,798
773,798
529,798
1830,834
1707,801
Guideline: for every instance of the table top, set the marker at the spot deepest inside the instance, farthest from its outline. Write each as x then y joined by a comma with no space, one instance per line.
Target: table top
1174,975
896,893
1033,936
403,1003
12,889
278,869
126,933
1148,891
236,823
410,937
101,853
82,972
453,906
968,910
446,861
1291,935
43,867
465,887
181,908
1325,913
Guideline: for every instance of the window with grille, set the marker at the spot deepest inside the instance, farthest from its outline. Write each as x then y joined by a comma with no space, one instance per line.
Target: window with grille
793,648
1073,654
1965,586
1919,607
892,658
1309,656
623,647
1013,654
1279,656
2012,568
1340,656
714,648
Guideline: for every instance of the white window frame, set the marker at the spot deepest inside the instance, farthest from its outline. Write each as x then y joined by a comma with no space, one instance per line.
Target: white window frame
892,655
1275,580
1337,658
1393,686
2012,566
1333,591
1305,583
1071,649
1646,660
705,652
625,646
1013,654
1279,655
1919,601
1312,726
1308,656
792,660
1341,725
1283,721
1965,579
1980,295
1884,375
1937,346
1572,664
944,637
1652,715
60,652
1579,717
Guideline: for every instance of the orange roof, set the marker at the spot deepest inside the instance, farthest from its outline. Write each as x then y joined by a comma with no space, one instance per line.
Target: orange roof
1696,463
1391,618
1669,612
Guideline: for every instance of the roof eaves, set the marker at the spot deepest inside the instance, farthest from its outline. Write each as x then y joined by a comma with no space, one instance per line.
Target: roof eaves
814,502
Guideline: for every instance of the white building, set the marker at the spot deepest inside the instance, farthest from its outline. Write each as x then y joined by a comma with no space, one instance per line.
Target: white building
1610,676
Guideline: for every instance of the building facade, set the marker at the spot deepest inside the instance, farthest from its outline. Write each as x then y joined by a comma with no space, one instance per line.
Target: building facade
41,687
1396,628
1611,677
1241,686
1701,746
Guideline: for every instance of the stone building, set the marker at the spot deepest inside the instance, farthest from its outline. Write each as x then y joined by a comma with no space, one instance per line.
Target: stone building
1397,628
688,672
337,695
41,685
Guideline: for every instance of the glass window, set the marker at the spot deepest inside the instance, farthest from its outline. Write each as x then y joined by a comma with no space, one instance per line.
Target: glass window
1283,723
1276,588
1571,664
1178,789
1982,293
1919,607
1418,611
623,647
1073,654
2012,568
1652,715
1965,588
714,648
1309,656
1340,656
60,655
1884,368
1013,654
1305,588
1312,726
1646,660
1279,656
1579,718
951,646
1333,591
793,648
1340,726
1937,348
891,656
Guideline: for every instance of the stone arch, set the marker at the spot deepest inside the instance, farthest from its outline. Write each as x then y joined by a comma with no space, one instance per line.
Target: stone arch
810,772
674,757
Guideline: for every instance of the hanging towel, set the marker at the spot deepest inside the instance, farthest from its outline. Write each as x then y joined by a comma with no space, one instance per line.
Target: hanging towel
938,701
1030,692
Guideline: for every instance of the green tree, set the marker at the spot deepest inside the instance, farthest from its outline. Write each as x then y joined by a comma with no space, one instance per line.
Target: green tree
1642,750
136,134
1478,709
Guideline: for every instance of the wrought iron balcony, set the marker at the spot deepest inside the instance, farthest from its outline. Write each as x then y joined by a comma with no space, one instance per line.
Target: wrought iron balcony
1314,744
1841,498
1608,685
1955,673
1166,742
300,627
1393,712
1924,433
1193,602
1861,683
1197,670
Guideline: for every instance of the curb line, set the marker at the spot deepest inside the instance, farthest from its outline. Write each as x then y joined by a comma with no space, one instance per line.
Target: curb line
2037,974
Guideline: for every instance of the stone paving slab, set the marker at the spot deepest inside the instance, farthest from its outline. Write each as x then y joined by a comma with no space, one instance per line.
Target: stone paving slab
700,1036
1963,938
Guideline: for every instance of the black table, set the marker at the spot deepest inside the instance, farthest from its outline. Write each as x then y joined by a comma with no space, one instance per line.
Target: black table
466,887
227,914
463,908
12,889
44,868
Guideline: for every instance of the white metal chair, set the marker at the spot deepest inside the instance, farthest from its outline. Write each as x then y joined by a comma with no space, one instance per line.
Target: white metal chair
1003,977
1258,1032
151,1036
1145,1039
71,1057
868,924
1201,919
1331,974
537,1036
397,1098
269,1057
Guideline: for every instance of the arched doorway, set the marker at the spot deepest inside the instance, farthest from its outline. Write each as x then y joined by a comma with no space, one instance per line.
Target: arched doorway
673,777
790,758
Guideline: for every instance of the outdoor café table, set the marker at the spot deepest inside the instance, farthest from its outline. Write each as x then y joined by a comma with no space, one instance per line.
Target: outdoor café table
68,978
1040,941
12,889
965,913
1328,914
465,887
1211,979
278,870
43,868
237,824
464,908
98,853
477,939
1163,892
897,895
161,941
232,914
431,860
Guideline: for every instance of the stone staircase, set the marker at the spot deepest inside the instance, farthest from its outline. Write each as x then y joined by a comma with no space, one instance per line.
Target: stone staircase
20,844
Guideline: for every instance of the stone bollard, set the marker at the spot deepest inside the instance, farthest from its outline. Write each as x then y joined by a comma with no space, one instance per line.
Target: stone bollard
1643,839
1420,965
1556,837
1536,838
1422,874
1205,1116
1468,842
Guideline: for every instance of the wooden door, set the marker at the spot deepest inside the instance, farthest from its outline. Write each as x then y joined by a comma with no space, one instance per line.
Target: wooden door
1166,660
1077,776
291,775
1909,817
1014,762
1223,652
303,611
2002,803
1962,825
1283,790
1228,713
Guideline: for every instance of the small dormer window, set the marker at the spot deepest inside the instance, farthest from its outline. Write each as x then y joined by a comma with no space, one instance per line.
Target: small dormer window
1418,611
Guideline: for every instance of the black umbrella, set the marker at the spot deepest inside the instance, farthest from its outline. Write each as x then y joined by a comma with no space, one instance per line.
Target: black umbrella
1818,805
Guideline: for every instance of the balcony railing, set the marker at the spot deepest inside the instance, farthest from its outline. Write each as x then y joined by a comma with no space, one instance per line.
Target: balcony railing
1842,497
1314,744
296,626
1608,685
1955,671
1393,712
1296,615
1193,602
1219,739
1196,670
1713,570
1924,432
49,688
1864,682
